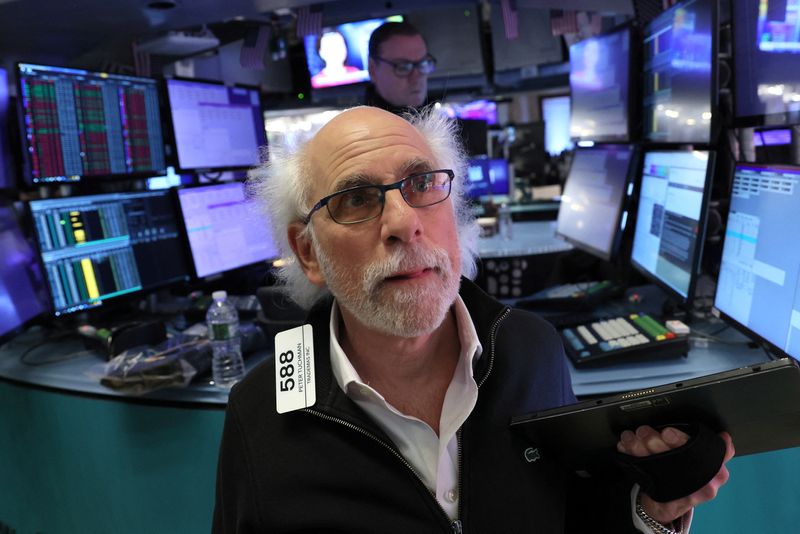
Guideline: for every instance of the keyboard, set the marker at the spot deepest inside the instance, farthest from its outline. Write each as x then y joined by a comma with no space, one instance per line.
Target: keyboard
579,296
633,337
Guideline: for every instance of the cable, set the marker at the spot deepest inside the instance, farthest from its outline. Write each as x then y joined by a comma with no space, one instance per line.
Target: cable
58,337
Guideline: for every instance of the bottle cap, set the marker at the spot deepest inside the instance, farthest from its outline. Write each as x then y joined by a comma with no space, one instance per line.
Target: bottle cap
219,295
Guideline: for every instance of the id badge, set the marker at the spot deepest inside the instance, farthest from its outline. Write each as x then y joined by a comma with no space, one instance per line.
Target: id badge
295,386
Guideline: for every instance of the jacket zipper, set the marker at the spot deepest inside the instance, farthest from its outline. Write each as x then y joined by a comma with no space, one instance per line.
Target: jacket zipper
456,526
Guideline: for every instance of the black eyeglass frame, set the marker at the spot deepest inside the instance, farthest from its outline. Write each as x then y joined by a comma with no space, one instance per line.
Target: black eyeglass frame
414,65
383,189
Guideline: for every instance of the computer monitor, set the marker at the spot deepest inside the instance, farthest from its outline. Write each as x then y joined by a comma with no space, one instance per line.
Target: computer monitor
671,218
223,232
7,178
766,46
23,295
555,114
679,73
216,127
599,81
593,211
339,55
100,247
758,288
482,109
79,124
488,179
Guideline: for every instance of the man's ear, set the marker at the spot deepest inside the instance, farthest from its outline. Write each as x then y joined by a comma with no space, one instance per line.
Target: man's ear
305,253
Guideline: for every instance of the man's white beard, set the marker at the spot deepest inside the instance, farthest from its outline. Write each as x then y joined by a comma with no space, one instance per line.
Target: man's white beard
399,311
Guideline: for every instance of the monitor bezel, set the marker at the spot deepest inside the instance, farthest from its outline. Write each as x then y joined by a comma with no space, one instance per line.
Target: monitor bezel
26,163
785,118
632,105
22,221
169,128
713,128
702,222
624,209
189,254
105,304
729,319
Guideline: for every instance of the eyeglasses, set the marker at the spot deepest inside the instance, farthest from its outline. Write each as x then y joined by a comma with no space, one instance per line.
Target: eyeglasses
425,65
365,202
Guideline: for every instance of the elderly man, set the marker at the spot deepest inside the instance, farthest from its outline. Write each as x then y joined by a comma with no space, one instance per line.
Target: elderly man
416,372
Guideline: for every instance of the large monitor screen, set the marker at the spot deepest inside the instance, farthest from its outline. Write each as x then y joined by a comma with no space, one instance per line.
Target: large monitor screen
599,80
224,233
766,50
758,278
216,127
488,179
679,60
7,178
592,214
77,124
670,219
23,295
555,114
340,54
99,247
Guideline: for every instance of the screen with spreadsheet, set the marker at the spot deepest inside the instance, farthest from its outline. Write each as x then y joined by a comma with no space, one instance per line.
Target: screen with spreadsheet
78,124
23,295
670,219
99,247
216,127
592,214
758,285
224,232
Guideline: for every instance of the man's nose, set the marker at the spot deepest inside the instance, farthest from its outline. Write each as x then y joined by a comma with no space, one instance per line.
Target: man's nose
399,221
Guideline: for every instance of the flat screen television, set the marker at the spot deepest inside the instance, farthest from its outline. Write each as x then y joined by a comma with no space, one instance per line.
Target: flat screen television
680,91
600,85
671,218
340,54
482,109
593,212
7,177
97,248
23,293
222,230
81,124
766,50
215,126
488,179
555,114
757,288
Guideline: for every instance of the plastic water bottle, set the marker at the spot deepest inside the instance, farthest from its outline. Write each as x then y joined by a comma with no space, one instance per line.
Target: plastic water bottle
505,222
227,365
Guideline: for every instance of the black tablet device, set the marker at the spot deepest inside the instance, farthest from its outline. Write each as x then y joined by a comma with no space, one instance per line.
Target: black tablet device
758,405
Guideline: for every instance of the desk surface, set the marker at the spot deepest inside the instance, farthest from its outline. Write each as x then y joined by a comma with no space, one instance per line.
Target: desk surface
528,238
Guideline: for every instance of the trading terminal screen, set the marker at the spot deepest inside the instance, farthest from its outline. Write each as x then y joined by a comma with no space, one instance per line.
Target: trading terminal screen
22,287
678,60
216,126
591,214
488,178
668,237
78,124
223,233
99,247
758,279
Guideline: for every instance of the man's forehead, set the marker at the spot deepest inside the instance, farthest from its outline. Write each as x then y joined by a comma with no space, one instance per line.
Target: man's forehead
404,46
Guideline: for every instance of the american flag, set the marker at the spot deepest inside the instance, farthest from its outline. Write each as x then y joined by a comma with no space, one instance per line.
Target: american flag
141,61
254,47
510,19
309,20
563,21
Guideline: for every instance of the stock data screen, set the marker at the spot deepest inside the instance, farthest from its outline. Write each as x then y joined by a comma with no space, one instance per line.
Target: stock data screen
758,282
216,127
678,59
99,247
224,232
78,124
589,215
668,232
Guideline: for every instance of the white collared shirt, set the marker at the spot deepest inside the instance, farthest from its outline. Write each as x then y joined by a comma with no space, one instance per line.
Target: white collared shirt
434,458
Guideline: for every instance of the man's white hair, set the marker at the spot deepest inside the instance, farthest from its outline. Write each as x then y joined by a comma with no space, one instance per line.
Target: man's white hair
281,188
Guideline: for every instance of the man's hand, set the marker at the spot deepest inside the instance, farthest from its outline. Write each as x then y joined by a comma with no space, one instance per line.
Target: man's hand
646,441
